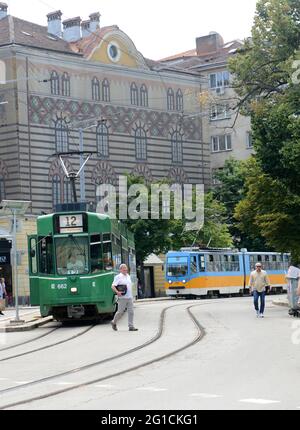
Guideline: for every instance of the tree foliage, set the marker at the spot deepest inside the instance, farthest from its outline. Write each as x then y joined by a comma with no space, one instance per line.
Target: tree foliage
264,82
161,235
230,191
262,69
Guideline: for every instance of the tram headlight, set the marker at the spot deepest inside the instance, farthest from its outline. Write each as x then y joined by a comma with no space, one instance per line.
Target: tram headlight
170,282
74,290
184,281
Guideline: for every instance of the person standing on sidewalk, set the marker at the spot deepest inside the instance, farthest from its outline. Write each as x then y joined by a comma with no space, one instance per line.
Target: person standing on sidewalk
122,286
3,293
258,282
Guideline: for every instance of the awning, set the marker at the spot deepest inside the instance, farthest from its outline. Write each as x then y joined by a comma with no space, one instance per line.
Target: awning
153,260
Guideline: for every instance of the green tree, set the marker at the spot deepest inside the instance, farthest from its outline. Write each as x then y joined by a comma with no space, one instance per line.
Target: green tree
160,236
272,211
231,189
263,67
263,72
215,232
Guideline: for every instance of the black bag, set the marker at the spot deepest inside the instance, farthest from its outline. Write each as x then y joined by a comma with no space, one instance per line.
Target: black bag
122,289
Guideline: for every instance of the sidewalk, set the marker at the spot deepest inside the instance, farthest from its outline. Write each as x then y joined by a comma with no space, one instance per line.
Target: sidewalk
30,315
283,301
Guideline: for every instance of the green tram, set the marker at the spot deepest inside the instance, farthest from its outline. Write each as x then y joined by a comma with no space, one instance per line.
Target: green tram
72,263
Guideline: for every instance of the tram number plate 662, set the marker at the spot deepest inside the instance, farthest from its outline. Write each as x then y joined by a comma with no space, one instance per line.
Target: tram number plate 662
59,286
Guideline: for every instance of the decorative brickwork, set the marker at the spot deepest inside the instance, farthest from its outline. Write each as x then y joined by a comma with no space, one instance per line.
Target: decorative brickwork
122,120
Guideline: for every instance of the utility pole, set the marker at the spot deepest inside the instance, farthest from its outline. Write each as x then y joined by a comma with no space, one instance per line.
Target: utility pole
82,175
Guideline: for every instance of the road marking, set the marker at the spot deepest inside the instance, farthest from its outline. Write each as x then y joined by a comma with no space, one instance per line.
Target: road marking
22,382
152,389
259,401
206,396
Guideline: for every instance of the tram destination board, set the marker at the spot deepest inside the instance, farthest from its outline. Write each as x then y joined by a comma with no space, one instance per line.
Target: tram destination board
70,223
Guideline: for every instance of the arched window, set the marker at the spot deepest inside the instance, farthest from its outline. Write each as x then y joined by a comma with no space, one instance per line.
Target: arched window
2,188
134,94
67,190
179,100
61,136
66,91
105,91
177,151
144,96
61,189
56,190
95,89
102,140
171,99
140,144
54,80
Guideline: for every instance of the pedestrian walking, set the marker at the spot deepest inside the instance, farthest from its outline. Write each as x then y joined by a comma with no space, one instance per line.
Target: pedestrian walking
259,281
3,293
122,286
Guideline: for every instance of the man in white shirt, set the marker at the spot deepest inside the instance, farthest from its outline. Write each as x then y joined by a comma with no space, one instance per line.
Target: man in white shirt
125,299
258,282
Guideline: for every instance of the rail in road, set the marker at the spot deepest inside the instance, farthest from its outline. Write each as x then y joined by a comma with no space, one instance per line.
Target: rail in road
199,334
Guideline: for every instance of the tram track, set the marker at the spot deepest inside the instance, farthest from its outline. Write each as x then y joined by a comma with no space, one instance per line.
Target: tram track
52,345
16,345
199,336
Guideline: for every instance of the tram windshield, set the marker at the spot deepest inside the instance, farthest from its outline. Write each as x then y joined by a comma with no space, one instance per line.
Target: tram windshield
177,266
72,255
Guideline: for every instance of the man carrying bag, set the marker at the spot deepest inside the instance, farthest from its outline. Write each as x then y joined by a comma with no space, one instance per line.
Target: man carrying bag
122,286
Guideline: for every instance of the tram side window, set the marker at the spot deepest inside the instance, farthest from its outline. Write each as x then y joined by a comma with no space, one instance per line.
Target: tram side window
287,261
210,263
201,263
96,254
46,255
233,264
107,252
194,268
116,251
33,256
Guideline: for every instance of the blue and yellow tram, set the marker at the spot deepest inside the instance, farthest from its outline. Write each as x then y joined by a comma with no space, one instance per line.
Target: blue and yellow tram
195,272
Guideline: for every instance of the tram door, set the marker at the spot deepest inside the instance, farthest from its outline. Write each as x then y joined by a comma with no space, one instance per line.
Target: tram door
5,267
149,291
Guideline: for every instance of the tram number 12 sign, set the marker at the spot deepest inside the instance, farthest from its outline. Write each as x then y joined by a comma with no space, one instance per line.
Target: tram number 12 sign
71,224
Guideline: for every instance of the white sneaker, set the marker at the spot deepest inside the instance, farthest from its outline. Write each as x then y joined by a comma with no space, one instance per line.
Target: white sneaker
261,315
257,314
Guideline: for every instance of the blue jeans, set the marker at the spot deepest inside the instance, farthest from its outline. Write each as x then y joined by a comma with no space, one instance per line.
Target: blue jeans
262,296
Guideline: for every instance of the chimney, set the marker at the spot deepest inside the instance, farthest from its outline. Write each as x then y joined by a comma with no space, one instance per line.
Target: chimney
86,28
54,23
95,21
72,29
209,44
3,10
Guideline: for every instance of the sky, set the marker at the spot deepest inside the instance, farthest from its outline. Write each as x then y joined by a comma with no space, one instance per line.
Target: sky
158,28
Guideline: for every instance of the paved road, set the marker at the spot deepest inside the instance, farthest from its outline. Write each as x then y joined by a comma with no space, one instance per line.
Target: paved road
241,363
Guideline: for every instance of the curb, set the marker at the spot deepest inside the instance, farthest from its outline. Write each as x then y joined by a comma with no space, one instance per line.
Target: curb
281,303
30,325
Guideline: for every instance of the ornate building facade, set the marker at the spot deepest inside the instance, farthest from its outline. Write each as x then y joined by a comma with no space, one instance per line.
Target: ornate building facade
137,116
